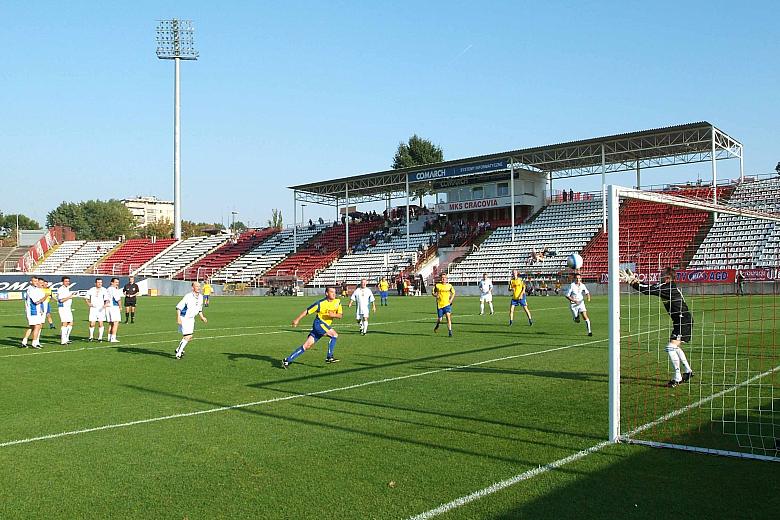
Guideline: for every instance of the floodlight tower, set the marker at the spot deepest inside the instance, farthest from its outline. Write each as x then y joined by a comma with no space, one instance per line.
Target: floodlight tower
176,41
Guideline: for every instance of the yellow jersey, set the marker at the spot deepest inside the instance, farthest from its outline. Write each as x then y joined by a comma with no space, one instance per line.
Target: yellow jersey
384,286
518,288
207,290
47,293
323,307
443,293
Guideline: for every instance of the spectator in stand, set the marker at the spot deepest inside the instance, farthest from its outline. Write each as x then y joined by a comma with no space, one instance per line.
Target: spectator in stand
321,221
571,195
563,196
311,224
422,284
399,285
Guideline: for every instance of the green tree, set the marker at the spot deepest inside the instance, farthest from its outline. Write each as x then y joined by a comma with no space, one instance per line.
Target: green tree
161,229
94,219
276,220
192,229
417,152
8,227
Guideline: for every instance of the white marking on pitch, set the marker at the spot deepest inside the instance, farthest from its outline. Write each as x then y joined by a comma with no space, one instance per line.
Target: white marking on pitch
498,486
289,397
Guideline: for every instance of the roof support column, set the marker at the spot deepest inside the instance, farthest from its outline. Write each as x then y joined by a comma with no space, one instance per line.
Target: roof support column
714,174
741,163
295,221
638,176
408,238
512,194
346,221
603,189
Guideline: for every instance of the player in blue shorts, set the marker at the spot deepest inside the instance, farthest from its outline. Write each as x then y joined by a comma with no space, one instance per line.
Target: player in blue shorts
327,309
383,286
517,291
444,293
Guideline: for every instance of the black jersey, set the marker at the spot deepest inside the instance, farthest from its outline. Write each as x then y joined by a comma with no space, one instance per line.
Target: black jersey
672,298
131,290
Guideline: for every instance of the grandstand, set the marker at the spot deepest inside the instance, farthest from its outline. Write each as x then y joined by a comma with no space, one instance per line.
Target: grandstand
182,254
266,255
222,256
562,228
655,235
397,243
75,256
350,269
740,242
322,250
132,254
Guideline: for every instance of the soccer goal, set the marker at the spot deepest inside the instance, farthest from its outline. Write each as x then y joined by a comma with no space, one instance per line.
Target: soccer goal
693,303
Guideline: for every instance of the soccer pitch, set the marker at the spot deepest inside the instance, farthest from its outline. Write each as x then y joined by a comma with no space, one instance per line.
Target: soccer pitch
407,421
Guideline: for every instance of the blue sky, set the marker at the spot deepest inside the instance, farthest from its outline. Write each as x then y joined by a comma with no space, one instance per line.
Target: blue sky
291,92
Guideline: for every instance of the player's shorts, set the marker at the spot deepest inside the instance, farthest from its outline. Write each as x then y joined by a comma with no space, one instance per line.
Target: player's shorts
520,302
97,314
383,295
486,297
130,301
360,314
682,328
578,308
48,308
36,319
66,315
206,297
318,329
113,314
187,326
441,311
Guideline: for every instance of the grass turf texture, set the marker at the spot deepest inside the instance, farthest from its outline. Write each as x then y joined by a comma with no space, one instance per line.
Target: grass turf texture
437,434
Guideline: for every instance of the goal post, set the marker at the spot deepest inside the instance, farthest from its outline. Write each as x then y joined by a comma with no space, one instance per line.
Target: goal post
728,402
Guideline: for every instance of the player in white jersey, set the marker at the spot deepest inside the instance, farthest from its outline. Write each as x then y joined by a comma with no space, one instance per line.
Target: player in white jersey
114,309
97,300
363,297
64,307
35,309
186,310
485,294
576,295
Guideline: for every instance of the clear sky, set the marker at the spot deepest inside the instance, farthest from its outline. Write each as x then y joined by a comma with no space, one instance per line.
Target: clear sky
291,92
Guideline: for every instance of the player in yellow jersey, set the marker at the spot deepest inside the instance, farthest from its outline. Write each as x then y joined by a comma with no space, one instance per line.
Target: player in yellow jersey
326,310
517,291
47,303
383,287
207,290
444,293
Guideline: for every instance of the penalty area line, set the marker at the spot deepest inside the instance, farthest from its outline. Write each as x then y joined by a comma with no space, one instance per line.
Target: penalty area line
503,484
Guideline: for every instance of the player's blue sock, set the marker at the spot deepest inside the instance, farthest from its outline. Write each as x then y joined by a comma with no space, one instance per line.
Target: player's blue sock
331,346
297,352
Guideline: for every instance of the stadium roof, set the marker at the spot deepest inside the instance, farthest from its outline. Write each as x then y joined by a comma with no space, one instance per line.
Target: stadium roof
680,144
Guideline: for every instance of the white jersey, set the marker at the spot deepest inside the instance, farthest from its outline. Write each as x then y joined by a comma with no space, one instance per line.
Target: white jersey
578,292
32,307
363,299
64,292
114,296
97,297
485,287
190,305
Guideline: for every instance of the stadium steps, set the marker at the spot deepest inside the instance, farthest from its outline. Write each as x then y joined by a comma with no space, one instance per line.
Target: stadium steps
131,255
225,254
155,257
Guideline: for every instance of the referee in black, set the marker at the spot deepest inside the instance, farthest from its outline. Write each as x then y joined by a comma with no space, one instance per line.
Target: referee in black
682,320
131,291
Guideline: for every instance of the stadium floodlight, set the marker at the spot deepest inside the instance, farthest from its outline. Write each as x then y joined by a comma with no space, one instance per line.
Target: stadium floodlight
176,41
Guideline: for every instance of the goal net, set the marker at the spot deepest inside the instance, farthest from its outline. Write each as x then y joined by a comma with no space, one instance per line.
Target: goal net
694,357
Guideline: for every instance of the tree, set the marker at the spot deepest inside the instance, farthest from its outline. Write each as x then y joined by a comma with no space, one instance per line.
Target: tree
276,220
94,219
161,229
192,229
239,226
417,152
8,227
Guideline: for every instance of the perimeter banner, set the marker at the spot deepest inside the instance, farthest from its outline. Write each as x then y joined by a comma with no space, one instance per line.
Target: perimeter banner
706,276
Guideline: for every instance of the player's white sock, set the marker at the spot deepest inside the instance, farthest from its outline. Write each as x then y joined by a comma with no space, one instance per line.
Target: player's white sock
182,344
24,341
683,359
672,351
67,332
491,307
587,322
365,325
100,333
481,308
63,335
91,332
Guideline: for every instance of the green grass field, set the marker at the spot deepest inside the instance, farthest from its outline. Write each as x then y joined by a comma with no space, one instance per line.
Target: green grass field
407,421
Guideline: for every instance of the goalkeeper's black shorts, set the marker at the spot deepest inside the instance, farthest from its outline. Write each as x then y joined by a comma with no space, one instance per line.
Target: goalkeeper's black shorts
682,327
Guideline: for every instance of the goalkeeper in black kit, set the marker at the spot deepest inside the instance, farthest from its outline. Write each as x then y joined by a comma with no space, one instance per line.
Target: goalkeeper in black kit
682,321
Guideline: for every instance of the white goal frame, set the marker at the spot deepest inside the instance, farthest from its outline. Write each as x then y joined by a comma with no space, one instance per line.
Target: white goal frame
614,194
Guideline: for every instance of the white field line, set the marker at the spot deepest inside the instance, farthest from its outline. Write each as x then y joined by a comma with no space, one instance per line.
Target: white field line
498,486
289,397
346,324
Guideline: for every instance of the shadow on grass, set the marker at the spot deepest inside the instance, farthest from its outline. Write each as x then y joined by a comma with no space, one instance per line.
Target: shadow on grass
145,351
338,426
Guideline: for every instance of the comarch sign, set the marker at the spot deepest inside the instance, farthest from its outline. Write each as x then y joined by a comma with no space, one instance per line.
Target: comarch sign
454,171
